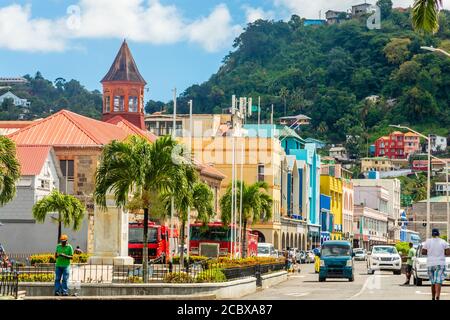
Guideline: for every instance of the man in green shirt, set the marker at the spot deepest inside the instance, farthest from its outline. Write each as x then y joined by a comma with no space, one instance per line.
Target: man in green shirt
409,263
63,255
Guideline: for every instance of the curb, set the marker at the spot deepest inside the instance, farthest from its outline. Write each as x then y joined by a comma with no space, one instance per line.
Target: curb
104,298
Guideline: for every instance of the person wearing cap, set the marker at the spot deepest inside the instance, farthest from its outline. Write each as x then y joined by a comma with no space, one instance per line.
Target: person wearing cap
63,255
436,249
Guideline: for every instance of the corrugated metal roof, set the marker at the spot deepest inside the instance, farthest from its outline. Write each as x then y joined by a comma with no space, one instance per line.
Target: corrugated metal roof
32,159
131,129
66,128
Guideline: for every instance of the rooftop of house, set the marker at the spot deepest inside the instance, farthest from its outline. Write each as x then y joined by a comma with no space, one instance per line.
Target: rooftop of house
66,128
376,159
32,159
131,129
439,199
271,131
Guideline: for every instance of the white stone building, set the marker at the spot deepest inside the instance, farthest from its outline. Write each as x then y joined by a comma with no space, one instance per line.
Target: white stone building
20,233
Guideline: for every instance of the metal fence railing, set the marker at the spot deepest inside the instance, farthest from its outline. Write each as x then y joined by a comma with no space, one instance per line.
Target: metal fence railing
157,273
9,284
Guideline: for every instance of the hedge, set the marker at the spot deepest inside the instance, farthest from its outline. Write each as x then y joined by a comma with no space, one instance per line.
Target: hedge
50,258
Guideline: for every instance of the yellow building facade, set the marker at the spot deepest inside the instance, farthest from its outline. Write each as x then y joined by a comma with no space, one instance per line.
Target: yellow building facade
332,187
261,160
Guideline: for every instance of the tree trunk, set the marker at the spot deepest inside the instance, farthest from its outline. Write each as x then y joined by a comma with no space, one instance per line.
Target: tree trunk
59,228
244,240
182,233
145,248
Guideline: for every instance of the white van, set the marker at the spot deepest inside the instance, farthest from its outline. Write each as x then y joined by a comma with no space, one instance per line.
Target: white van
266,250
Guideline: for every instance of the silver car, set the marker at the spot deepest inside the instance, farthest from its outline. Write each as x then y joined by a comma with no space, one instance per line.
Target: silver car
360,254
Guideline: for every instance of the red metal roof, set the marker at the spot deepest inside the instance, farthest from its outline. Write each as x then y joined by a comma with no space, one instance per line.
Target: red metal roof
32,159
66,128
14,124
131,129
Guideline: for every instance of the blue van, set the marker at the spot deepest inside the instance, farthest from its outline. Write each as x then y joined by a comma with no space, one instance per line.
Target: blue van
336,260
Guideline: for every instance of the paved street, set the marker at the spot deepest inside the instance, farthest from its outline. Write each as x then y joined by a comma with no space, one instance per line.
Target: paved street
381,286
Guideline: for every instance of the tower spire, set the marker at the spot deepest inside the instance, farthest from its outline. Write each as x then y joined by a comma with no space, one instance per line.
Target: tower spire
123,89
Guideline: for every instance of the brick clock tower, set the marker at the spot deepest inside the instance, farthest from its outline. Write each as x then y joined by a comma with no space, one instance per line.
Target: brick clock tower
123,90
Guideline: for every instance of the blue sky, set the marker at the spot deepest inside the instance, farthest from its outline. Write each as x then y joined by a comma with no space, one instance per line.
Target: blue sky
176,43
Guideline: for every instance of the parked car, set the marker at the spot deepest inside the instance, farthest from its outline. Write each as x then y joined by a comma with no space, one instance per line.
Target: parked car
419,269
336,260
266,250
360,254
384,258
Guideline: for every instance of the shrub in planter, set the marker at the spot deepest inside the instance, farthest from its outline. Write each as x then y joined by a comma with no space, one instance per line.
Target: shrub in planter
193,259
46,258
42,258
178,277
212,275
135,279
36,277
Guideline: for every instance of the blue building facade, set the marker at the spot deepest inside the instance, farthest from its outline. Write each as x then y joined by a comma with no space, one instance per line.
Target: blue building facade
326,218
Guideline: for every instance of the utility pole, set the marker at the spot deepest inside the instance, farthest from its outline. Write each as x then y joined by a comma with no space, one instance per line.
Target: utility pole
259,113
189,208
172,200
429,188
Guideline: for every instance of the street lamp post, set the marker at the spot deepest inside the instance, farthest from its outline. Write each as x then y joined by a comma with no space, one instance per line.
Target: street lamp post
428,174
446,162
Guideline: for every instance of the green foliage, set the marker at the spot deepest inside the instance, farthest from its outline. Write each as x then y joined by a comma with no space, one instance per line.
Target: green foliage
47,97
44,258
178,277
402,248
9,170
192,259
36,277
326,72
135,279
211,275
227,262
70,210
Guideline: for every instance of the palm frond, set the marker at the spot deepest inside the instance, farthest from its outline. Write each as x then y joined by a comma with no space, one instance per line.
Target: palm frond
425,15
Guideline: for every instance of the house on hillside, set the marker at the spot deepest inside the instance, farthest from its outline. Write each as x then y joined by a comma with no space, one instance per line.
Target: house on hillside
18,102
360,10
334,17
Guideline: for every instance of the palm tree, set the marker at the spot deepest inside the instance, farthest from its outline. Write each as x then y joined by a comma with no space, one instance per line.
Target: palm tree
190,194
256,206
9,170
70,210
425,15
138,168
284,93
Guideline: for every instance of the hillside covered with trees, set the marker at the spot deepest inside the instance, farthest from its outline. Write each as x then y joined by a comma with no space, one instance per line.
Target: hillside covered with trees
47,97
327,72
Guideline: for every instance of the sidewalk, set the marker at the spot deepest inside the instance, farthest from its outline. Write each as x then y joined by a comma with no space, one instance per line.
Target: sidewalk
105,298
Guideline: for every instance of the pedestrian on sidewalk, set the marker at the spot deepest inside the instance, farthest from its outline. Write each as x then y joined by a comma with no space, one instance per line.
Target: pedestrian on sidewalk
409,263
436,249
63,255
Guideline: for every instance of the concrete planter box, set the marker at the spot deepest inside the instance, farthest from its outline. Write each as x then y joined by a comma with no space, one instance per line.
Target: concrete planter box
224,290
271,279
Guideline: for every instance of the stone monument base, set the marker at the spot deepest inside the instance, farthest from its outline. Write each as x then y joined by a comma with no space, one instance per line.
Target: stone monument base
108,260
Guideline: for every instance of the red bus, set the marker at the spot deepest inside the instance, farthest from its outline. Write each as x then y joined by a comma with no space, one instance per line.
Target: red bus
214,240
159,241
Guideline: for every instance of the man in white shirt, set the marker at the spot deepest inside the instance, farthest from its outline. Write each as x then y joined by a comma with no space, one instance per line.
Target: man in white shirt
436,249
